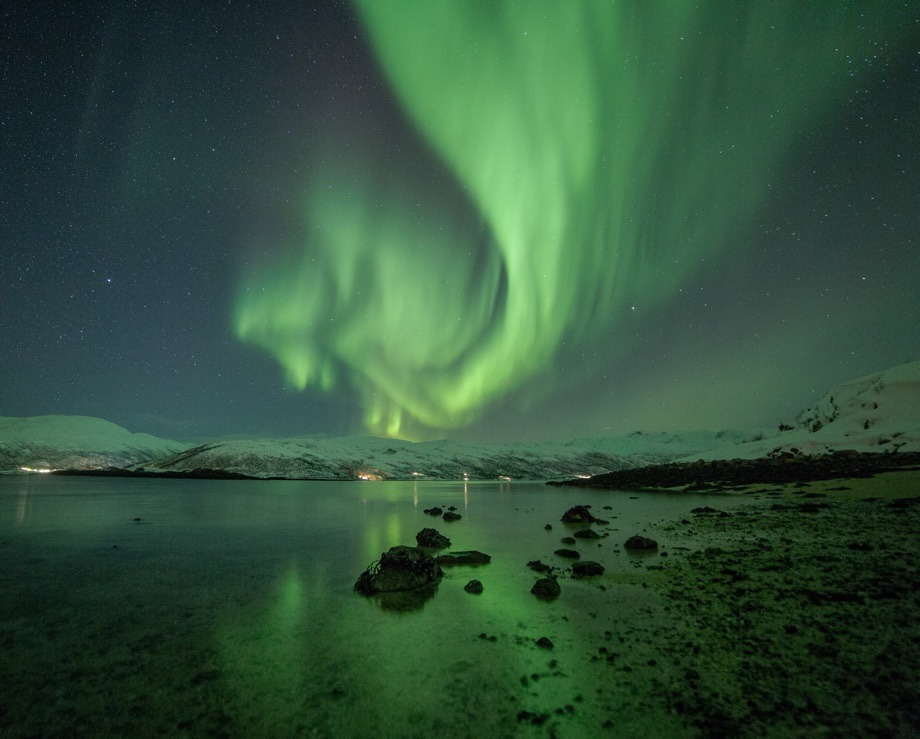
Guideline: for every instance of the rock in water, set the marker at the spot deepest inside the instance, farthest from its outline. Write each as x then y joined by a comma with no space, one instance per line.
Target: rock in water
431,538
546,588
707,511
587,534
401,568
451,516
586,569
474,587
580,514
640,544
567,553
470,557
433,511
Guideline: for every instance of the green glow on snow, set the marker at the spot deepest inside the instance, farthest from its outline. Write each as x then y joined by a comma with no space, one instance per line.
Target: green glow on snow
608,148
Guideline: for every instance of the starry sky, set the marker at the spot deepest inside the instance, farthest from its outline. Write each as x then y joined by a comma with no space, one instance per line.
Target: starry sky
485,220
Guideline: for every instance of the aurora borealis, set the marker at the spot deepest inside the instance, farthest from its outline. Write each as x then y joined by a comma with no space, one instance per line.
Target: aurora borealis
498,220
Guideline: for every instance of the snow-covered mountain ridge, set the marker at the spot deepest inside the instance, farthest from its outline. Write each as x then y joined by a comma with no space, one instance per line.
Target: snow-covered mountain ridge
349,458
876,413
76,442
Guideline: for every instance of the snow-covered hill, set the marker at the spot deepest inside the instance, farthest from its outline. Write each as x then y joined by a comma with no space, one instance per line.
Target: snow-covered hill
876,413
348,458
76,442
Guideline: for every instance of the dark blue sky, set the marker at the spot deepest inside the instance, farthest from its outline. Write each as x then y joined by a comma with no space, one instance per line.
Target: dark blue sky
148,153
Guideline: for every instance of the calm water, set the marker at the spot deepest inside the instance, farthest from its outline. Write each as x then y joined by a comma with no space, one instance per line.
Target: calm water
228,609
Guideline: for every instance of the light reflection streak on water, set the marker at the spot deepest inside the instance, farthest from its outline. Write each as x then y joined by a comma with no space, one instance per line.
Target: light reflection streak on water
22,506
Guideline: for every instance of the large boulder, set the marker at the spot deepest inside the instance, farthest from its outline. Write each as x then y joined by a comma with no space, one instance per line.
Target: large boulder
399,569
432,538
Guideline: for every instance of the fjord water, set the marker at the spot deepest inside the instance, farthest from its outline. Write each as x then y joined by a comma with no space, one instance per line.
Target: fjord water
225,607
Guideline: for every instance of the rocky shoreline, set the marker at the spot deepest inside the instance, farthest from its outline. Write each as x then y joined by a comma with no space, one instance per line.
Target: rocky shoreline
791,614
781,469
798,616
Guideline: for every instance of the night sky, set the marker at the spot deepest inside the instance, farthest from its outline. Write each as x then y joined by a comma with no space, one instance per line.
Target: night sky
479,220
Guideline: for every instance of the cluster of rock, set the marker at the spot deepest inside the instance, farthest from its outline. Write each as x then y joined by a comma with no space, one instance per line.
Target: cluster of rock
414,570
405,569
448,515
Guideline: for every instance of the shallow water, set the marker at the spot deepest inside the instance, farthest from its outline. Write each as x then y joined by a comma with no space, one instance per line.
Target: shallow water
228,609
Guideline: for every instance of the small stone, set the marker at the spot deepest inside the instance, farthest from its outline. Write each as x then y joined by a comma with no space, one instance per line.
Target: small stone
433,511
580,514
469,557
587,534
587,569
537,719
567,540
567,553
548,527
474,587
544,643
546,588
451,516
640,544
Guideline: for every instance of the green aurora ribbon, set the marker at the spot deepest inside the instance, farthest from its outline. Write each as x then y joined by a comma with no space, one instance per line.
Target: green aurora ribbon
608,148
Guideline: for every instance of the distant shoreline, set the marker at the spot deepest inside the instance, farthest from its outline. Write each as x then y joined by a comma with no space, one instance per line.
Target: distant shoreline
735,474
196,474
699,476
